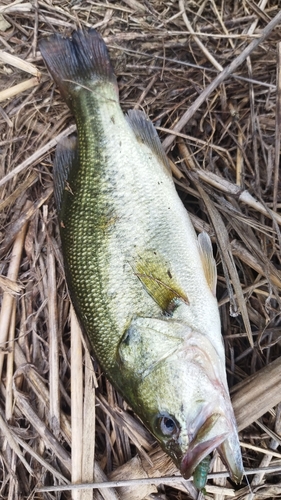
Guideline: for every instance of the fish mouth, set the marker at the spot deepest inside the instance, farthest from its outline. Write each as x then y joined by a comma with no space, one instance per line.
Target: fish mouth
211,435
216,432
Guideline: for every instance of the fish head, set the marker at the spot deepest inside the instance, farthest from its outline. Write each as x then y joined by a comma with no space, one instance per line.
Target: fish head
180,393
188,414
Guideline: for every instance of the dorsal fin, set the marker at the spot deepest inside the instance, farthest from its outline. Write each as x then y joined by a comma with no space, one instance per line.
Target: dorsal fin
66,157
146,133
208,261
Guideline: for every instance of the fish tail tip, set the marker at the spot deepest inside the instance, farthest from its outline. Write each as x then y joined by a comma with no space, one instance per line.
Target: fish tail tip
81,59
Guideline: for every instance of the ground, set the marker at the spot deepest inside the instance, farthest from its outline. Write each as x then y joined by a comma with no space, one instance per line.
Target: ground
222,135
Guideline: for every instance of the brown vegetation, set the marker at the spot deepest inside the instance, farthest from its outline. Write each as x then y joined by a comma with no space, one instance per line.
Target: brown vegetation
208,75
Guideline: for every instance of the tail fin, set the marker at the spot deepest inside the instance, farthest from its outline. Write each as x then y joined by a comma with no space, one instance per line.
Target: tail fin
81,60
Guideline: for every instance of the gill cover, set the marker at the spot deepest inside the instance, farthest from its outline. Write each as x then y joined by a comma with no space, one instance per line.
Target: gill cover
148,342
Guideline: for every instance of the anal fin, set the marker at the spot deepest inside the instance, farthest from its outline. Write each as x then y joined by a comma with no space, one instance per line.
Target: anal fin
146,133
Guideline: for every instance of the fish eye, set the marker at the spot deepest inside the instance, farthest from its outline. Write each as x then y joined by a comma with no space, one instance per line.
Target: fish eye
167,425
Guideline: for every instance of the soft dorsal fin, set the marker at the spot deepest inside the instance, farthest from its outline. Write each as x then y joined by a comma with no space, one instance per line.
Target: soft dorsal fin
208,261
154,273
146,133
66,157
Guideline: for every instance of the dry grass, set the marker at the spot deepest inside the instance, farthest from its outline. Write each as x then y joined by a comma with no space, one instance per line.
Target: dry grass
205,76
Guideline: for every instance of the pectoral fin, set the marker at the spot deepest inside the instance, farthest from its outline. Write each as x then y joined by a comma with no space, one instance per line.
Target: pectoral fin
208,261
158,280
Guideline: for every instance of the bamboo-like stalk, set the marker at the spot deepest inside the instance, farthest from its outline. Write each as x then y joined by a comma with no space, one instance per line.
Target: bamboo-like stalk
89,427
9,299
18,89
53,345
76,404
19,63
10,366
257,394
16,6
277,129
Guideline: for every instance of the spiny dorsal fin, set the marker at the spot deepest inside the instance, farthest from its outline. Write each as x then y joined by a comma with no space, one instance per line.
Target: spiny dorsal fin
146,132
208,261
157,278
66,157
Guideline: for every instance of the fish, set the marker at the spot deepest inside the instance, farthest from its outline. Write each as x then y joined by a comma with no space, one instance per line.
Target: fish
142,283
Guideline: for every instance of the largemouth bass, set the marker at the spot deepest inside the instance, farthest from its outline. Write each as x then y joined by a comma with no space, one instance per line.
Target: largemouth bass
142,283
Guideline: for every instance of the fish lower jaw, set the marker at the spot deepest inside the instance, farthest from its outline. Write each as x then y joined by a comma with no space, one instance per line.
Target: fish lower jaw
217,431
206,433
197,453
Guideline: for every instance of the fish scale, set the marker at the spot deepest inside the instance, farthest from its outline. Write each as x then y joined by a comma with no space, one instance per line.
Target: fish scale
141,282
